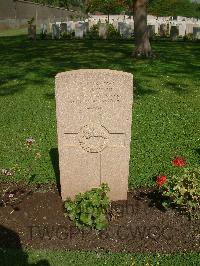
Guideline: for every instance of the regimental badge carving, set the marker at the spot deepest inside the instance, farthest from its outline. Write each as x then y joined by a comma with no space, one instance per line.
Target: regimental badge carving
93,138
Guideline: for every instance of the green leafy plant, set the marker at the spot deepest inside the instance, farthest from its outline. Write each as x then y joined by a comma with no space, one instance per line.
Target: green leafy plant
188,37
113,34
93,33
182,191
90,208
30,21
43,35
68,35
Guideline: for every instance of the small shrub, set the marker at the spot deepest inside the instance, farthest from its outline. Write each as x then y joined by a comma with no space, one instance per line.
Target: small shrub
31,20
68,35
188,37
90,208
182,191
113,34
43,35
93,33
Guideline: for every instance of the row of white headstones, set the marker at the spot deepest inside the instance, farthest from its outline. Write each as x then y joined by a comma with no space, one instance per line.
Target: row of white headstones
161,26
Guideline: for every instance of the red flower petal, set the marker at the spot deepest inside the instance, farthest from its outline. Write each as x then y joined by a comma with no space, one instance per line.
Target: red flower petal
179,161
160,180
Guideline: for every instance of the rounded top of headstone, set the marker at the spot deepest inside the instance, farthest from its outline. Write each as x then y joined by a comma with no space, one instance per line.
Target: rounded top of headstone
93,71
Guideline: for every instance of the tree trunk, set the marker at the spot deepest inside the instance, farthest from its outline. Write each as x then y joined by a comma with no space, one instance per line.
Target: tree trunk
142,43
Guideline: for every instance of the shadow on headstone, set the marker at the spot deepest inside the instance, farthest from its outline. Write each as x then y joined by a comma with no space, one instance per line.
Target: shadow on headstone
11,252
55,162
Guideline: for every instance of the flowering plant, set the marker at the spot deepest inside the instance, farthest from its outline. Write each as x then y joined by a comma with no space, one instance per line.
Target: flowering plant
181,191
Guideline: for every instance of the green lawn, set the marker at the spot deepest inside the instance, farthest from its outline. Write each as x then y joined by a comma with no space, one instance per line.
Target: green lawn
166,120
71,258
166,111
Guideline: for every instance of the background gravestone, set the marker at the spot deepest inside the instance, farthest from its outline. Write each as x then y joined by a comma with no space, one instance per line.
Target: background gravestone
124,30
151,31
174,32
103,30
63,28
196,33
94,115
32,32
43,29
79,30
189,28
55,31
163,30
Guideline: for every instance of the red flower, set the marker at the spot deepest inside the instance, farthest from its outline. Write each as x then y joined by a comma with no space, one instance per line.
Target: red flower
179,161
160,180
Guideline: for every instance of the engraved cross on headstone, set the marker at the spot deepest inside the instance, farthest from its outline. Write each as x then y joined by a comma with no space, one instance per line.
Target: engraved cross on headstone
94,137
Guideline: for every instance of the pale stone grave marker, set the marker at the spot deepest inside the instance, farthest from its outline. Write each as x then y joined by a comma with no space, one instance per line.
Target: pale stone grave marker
182,29
124,30
103,30
94,115
115,24
189,29
70,26
32,32
63,28
43,29
55,31
86,27
163,30
196,33
174,32
151,31
79,30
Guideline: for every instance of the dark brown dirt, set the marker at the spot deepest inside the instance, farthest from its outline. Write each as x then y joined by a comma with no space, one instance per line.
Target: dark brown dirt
33,217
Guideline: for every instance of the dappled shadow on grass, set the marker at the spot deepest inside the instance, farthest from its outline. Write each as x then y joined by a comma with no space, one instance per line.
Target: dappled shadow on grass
177,87
26,63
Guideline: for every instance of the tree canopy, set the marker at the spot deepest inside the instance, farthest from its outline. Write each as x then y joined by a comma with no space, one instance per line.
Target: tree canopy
156,7
174,8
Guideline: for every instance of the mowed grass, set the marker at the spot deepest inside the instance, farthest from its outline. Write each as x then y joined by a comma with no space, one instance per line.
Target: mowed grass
166,110
166,116
72,258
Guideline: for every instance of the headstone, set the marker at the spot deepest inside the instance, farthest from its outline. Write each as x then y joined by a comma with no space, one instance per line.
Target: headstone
70,26
163,30
115,25
196,33
151,31
131,24
63,28
55,31
79,30
103,30
182,29
174,32
124,30
189,28
94,115
86,27
43,29
32,32
50,27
